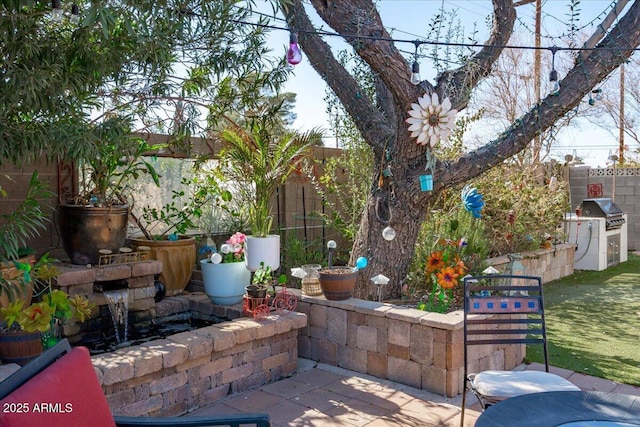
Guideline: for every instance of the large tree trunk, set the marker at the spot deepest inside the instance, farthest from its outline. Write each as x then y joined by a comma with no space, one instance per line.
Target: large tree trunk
383,128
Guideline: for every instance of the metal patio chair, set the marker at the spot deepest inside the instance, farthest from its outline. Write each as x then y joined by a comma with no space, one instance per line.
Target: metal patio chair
504,310
60,388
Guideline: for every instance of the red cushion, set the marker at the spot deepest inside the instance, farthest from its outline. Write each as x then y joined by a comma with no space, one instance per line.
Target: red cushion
67,393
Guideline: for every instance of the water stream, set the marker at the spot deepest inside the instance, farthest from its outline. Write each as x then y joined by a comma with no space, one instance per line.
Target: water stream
119,307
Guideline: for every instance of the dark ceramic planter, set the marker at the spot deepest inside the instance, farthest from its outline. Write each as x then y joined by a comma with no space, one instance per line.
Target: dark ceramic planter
84,230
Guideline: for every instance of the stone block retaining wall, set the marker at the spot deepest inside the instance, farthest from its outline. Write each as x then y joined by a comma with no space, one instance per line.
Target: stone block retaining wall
178,374
409,346
85,280
550,264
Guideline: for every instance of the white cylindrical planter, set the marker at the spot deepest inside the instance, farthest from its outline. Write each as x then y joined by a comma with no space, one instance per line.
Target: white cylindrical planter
262,249
225,283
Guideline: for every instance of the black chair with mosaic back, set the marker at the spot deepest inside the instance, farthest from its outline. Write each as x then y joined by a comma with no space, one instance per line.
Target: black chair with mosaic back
505,310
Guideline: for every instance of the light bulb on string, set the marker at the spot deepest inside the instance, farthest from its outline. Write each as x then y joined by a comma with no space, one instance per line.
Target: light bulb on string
415,73
294,55
553,75
56,10
75,13
415,67
597,94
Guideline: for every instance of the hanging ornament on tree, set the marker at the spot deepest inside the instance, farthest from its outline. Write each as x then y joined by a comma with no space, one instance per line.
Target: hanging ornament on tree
431,121
472,200
388,233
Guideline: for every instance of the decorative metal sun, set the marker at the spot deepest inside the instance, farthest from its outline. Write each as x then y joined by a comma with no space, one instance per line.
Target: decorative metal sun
431,121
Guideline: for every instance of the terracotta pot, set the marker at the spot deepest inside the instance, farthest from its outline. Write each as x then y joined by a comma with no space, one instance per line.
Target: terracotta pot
337,283
178,259
19,347
225,283
84,230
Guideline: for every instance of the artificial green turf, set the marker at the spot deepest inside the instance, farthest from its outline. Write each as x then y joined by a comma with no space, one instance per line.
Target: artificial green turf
593,323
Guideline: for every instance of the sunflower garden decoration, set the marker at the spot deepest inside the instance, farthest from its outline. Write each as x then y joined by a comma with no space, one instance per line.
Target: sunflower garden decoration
431,121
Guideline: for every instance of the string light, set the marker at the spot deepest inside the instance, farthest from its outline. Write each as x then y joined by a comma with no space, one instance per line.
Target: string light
433,43
294,55
415,68
597,94
553,75
56,10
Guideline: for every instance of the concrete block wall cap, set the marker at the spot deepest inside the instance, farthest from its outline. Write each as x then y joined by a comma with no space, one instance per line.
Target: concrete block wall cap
75,276
145,268
222,339
450,321
407,314
243,331
113,272
115,368
374,308
281,324
198,345
298,320
266,329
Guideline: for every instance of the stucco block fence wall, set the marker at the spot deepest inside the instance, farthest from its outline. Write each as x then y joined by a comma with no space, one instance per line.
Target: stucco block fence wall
409,346
620,184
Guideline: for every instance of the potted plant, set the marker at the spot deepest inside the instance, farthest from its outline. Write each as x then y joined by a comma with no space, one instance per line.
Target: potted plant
165,230
30,329
260,282
16,228
224,273
96,219
338,283
259,159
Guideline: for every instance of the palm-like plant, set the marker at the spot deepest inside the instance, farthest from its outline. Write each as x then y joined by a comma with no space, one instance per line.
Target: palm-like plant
258,159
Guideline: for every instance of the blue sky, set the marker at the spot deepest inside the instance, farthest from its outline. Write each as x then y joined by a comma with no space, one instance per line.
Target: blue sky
409,19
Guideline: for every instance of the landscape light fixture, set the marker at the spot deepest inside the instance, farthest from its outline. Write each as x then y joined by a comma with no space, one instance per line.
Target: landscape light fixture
294,55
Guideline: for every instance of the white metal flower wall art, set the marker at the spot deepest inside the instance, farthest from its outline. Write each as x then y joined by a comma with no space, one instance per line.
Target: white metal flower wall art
431,121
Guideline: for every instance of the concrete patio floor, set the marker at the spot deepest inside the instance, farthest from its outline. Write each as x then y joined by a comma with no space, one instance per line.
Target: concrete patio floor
324,395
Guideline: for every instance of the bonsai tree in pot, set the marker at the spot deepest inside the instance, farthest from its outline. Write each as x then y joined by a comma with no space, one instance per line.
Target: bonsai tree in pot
16,228
224,273
259,158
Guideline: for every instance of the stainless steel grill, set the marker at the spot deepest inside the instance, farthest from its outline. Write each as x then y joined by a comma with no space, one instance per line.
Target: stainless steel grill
604,208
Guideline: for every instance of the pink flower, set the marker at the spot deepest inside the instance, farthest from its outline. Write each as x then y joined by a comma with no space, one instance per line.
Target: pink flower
236,239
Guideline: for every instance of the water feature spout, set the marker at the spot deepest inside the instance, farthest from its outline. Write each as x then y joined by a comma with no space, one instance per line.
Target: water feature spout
119,307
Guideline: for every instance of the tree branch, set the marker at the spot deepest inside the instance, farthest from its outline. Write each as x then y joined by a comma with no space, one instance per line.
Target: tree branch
615,49
457,84
369,120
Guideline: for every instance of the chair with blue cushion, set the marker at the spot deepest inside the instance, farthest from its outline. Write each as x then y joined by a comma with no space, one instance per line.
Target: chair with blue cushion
502,310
